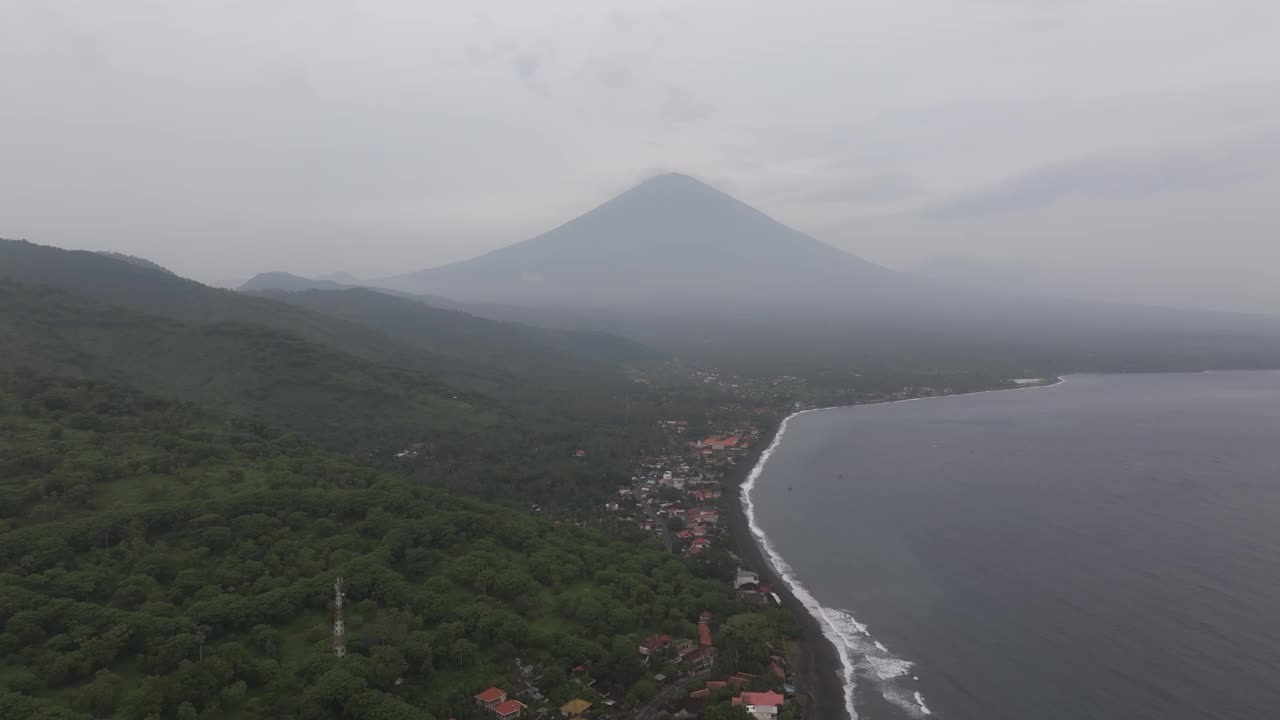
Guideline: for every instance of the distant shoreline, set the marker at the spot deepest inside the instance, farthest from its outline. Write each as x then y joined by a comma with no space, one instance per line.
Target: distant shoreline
819,667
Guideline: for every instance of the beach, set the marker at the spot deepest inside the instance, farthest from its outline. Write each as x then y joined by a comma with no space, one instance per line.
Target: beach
818,666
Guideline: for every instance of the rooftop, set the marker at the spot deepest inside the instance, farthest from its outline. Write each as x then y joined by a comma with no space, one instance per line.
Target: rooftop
509,707
491,695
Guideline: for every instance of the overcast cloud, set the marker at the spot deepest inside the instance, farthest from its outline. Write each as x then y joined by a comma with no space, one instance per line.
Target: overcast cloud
379,136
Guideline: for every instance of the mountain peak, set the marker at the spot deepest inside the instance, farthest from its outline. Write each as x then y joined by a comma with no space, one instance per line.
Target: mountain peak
674,183
671,236
672,179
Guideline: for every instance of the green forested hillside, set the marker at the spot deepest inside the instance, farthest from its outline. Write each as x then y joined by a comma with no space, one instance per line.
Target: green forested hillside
577,371
340,400
106,280
367,373
462,335
468,352
490,445
158,561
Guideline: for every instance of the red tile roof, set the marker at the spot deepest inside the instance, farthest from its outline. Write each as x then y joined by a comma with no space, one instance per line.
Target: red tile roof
657,641
509,707
490,695
766,699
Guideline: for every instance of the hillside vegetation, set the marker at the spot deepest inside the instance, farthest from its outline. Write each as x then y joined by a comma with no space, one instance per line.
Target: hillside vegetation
159,561
513,413
339,400
467,352
577,370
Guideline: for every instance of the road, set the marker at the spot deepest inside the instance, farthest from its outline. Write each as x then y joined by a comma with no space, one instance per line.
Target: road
649,710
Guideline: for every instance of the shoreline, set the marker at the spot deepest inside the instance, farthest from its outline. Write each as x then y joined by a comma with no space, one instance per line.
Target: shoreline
820,666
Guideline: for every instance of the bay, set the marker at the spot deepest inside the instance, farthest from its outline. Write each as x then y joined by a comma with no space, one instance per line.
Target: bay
1105,548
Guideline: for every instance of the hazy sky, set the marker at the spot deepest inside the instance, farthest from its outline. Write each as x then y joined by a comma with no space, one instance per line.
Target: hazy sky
225,137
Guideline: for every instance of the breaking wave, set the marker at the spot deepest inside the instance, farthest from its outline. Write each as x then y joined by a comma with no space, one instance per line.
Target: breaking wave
861,655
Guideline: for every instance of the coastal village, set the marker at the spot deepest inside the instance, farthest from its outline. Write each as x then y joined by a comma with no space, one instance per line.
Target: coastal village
681,496
677,497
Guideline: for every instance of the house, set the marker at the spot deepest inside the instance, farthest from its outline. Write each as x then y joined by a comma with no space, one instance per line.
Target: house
703,659
574,708
511,709
491,698
744,578
654,644
762,706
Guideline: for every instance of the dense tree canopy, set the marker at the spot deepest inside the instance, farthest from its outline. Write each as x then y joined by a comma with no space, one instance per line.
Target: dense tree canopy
159,561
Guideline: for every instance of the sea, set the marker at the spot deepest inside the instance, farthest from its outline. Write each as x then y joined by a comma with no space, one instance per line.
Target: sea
1105,548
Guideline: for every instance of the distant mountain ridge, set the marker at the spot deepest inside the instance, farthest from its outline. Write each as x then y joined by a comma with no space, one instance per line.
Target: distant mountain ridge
134,260
670,237
398,341
279,280
675,263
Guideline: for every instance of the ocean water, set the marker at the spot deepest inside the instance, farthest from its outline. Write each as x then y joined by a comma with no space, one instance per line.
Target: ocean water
1107,548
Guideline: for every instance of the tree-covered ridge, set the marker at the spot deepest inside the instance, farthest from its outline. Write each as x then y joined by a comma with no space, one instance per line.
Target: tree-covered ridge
339,400
469,442
158,561
466,352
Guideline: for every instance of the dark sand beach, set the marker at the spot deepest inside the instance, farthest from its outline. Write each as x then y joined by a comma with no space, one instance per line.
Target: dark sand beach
817,666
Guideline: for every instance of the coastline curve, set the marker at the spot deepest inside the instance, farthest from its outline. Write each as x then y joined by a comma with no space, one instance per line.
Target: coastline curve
853,643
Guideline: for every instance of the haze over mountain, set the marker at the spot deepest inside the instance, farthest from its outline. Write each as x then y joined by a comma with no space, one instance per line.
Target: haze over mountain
279,280
343,278
1206,286
678,263
668,240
